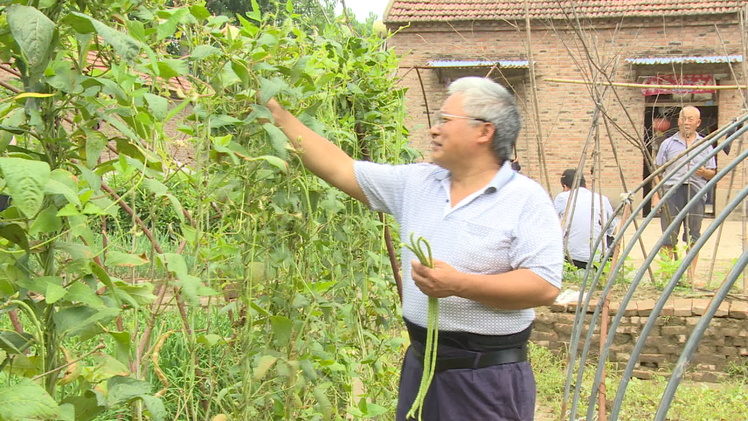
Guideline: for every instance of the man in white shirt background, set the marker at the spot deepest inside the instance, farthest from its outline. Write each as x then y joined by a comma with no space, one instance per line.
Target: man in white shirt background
588,214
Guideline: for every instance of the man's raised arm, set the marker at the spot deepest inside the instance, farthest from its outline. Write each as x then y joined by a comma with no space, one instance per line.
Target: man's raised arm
318,154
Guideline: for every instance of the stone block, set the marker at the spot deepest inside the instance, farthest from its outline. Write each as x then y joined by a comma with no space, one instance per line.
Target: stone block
658,359
613,309
642,374
675,330
631,309
669,309
723,310
682,307
558,308
739,310
666,348
545,336
699,306
706,376
692,321
645,307
728,351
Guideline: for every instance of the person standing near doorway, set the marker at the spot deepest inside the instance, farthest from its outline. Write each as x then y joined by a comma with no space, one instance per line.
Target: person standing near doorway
689,120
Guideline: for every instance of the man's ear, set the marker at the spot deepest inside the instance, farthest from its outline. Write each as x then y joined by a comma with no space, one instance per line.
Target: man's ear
487,132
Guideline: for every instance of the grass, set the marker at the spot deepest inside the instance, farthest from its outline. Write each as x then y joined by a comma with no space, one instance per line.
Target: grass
693,401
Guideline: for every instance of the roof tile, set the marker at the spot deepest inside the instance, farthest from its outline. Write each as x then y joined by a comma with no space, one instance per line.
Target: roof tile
403,11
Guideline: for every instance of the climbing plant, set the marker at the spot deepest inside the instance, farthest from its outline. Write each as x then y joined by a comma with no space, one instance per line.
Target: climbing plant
87,131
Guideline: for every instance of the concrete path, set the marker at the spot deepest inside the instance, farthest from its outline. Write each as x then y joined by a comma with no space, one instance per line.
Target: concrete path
730,245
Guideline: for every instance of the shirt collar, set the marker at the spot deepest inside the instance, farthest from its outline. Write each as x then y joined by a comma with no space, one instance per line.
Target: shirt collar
502,177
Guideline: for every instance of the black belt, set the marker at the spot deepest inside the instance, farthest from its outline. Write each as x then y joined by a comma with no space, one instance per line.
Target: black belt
482,360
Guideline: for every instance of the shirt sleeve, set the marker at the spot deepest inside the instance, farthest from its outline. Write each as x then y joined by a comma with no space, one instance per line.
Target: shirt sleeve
538,244
661,158
384,185
608,215
559,204
711,164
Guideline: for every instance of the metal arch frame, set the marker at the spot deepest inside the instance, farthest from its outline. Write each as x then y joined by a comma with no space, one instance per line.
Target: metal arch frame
582,308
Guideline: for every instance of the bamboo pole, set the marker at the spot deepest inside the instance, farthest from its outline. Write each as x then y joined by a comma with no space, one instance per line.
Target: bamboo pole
645,86
539,132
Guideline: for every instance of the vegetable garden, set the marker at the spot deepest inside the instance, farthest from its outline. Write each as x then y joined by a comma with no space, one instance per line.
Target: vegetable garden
119,264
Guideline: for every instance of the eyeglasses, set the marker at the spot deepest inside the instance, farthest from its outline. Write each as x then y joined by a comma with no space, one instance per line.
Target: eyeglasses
442,118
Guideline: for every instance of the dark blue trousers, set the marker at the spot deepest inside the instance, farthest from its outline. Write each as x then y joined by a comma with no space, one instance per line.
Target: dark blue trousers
501,392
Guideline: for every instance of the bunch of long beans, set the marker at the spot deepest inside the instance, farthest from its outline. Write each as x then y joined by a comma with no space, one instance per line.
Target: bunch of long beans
432,330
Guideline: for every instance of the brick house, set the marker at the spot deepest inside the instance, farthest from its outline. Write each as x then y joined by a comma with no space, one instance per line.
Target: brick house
661,42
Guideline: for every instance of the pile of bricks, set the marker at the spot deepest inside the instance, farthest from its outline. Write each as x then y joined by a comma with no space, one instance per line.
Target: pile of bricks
725,341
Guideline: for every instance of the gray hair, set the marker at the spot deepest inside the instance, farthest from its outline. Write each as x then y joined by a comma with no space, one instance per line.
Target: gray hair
486,100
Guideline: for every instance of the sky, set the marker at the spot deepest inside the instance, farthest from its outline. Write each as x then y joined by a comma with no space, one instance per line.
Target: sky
361,8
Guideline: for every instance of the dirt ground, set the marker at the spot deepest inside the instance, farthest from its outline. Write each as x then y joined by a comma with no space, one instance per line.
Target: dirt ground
730,248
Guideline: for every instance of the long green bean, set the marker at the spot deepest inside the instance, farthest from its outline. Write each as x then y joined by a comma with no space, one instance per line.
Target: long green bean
432,330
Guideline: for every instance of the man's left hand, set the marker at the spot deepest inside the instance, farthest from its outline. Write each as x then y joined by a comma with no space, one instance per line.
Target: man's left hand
439,282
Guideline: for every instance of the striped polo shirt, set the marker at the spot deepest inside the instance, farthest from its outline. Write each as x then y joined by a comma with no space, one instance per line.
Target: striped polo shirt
509,224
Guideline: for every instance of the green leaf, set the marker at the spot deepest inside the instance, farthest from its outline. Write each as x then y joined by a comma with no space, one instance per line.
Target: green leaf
40,284
204,51
210,339
269,88
35,34
80,292
282,329
95,144
67,412
116,258
68,210
123,44
87,407
93,179
170,68
54,293
176,110
13,342
101,274
15,234
278,139
25,181
256,12
174,263
27,400
124,389
78,320
76,251
135,295
199,12
63,182
122,341
158,104
46,221
155,407
274,161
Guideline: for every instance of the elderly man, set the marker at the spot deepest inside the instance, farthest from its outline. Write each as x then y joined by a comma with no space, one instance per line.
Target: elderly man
689,120
496,245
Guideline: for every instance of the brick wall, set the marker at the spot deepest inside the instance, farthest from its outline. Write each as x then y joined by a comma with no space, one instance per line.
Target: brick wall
725,340
566,110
